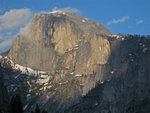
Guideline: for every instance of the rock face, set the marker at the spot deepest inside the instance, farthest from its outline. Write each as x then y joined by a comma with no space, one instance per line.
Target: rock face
69,48
51,36
83,68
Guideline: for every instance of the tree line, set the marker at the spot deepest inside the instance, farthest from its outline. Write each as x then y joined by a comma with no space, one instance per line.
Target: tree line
15,106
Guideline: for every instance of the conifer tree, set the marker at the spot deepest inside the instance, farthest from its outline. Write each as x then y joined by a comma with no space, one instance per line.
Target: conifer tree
37,110
15,105
0,110
44,111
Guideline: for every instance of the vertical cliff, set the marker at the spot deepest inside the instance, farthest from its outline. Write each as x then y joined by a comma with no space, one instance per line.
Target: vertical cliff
51,36
70,48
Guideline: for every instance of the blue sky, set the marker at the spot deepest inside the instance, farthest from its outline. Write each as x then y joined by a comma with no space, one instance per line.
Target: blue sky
119,16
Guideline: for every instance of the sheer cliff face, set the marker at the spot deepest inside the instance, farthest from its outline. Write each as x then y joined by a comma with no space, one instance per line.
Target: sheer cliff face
70,48
50,37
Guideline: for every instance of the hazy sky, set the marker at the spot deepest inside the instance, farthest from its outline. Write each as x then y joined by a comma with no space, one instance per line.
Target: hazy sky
119,16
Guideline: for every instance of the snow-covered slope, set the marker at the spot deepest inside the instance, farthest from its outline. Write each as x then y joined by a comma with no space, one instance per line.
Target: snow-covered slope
22,69
41,77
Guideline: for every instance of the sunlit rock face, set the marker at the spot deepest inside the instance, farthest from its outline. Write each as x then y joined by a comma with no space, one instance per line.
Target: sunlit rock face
50,36
71,49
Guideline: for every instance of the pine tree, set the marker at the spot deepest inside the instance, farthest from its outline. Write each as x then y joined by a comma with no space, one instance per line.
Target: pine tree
15,105
44,111
37,110
0,111
32,112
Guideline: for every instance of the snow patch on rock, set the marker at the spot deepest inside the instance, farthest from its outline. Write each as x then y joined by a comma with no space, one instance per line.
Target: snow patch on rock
83,21
1,57
22,69
78,75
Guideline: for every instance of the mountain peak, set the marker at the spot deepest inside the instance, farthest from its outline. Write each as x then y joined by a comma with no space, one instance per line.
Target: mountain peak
52,35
